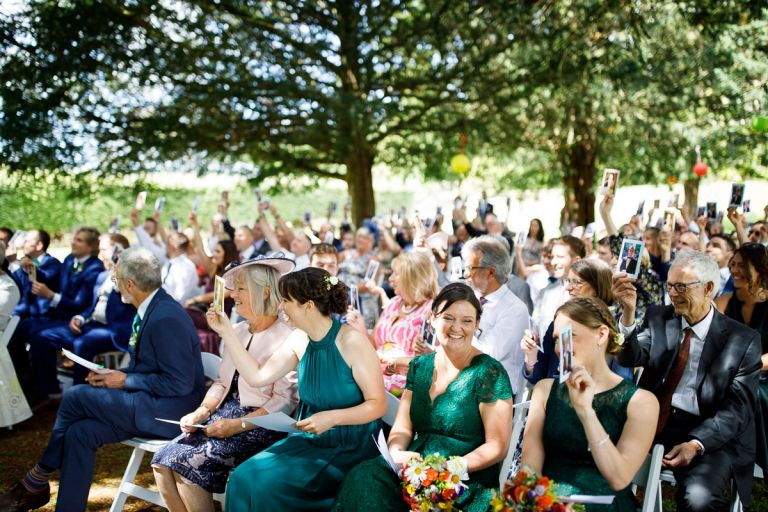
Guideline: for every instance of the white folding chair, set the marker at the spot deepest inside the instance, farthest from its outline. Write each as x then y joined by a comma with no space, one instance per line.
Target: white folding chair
141,446
5,338
392,404
518,425
647,477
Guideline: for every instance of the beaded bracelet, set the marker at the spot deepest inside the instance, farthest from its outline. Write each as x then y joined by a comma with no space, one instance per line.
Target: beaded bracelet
598,443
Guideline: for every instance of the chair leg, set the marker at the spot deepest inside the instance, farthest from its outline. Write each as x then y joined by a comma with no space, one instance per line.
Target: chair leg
735,500
128,477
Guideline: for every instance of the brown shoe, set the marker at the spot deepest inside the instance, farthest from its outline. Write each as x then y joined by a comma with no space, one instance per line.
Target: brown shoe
19,499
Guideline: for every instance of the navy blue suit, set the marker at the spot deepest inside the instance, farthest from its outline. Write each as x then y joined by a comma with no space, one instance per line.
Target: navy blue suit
95,338
31,304
76,290
164,380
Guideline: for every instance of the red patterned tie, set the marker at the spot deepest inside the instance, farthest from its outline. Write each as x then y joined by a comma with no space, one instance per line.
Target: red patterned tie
673,379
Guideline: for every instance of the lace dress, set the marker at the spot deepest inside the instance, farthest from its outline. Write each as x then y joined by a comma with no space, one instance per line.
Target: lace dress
451,425
568,461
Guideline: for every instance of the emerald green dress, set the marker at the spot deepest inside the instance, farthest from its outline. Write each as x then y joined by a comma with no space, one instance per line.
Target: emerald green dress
451,425
567,460
303,471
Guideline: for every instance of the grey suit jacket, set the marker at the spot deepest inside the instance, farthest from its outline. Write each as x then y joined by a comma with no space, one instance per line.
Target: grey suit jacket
727,380
520,288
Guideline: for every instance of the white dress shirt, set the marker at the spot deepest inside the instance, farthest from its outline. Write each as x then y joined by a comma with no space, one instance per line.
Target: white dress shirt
504,319
158,249
179,277
550,298
247,253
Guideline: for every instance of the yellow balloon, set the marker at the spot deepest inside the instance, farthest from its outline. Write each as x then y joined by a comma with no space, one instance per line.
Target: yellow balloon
461,163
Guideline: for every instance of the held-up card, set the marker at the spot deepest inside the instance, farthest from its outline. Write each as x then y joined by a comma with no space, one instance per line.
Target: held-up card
577,232
457,268
669,221
114,226
141,199
333,206
745,206
218,294
640,208
712,211
354,298
533,331
381,444
370,272
307,217
737,195
116,252
257,193
656,204
428,333
701,211
610,182
565,343
159,204
674,200
629,257
522,237
33,273
266,203
18,238
196,204
175,226
720,216
589,231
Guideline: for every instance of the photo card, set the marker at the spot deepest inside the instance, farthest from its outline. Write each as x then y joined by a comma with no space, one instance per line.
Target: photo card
33,273
668,224
711,211
218,294
610,182
307,217
116,252
196,204
656,204
428,333
257,194
522,236
589,230
640,208
629,257
737,195
720,216
371,271
674,200
141,200
18,238
701,211
565,343
354,298
114,225
159,204
333,206
175,226
745,206
456,268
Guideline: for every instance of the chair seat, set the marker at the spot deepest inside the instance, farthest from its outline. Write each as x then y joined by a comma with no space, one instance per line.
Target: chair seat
147,444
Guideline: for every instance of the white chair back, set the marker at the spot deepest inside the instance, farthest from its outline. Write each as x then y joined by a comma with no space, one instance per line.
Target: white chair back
211,363
518,423
648,477
5,338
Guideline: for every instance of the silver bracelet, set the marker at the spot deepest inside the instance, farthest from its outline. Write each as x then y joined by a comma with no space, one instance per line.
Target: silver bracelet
598,443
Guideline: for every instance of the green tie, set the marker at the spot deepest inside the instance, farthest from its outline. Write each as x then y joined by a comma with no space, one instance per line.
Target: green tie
136,324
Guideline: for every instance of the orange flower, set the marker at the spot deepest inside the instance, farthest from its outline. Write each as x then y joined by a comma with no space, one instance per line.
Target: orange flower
444,476
543,481
672,180
519,493
544,502
447,494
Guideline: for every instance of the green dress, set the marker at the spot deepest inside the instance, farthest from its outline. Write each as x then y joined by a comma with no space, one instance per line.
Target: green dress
303,471
451,425
568,461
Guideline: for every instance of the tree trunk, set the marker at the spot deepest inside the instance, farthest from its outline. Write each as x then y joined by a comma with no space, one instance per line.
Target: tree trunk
360,182
691,188
578,180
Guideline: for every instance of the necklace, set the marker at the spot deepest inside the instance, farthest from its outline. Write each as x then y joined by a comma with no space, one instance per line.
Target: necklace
407,309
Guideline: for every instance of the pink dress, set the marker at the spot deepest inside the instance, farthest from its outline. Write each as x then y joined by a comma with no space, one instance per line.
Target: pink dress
394,337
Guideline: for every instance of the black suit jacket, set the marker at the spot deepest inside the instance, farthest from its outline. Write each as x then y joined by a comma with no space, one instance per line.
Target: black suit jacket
726,382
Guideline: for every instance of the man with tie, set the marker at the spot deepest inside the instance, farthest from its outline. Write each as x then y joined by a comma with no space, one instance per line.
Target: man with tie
487,265
70,292
704,369
35,246
164,379
179,274
104,326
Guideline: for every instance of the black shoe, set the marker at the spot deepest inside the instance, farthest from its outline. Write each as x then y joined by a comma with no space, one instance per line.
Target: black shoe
19,499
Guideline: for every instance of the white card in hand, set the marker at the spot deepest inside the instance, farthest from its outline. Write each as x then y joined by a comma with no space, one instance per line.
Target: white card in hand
179,423
583,498
277,421
96,368
381,444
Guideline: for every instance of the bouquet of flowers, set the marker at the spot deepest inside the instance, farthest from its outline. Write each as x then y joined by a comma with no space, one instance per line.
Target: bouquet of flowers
527,492
433,484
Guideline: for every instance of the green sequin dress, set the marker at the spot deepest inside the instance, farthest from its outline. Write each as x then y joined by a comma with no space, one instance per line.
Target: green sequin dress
568,461
451,425
303,471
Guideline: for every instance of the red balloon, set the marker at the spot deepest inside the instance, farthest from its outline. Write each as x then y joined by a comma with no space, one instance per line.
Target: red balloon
700,169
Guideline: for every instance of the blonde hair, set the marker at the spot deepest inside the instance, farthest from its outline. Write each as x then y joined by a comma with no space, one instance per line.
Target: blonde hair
417,275
258,278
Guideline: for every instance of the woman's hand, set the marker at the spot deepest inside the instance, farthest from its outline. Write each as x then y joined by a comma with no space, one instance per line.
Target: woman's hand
356,320
192,218
530,345
581,390
317,423
196,417
403,457
218,322
420,347
224,428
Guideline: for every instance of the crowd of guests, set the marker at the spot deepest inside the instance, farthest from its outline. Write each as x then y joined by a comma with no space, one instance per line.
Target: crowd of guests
321,321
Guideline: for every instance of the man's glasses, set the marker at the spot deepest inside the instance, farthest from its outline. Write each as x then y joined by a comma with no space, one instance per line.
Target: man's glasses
680,288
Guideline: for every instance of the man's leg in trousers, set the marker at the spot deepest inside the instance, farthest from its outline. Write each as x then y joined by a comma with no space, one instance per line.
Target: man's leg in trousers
44,347
701,486
94,340
81,441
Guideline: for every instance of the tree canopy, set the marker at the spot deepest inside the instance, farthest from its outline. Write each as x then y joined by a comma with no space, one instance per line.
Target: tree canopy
327,89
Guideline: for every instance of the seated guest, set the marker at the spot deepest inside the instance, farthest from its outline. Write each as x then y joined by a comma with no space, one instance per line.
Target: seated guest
352,273
704,369
486,266
246,244
457,402
721,248
47,268
70,292
342,397
326,257
147,235
104,326
163,380
414,281
586,278
179,273
748,304
296,246
189,470
591,433
565,251
13,405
